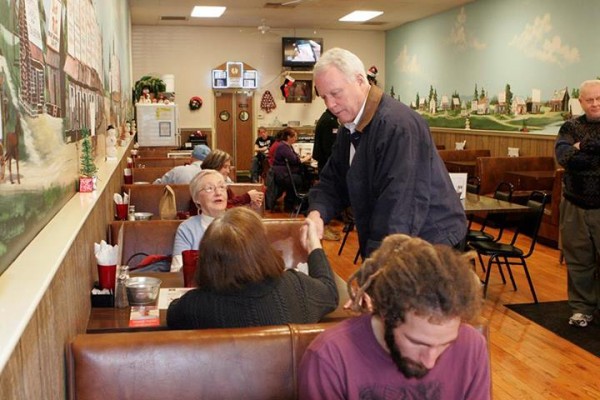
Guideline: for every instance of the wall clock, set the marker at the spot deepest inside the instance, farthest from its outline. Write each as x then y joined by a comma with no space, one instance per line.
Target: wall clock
224,115
244,116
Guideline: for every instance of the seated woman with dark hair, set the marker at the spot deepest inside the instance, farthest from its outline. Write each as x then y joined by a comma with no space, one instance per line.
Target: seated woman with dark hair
241,282
284,152
220,160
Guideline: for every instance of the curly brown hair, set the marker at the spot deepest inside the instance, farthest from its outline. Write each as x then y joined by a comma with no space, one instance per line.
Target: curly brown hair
409,274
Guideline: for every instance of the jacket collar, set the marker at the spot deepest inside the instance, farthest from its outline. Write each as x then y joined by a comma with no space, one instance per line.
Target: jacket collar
373,100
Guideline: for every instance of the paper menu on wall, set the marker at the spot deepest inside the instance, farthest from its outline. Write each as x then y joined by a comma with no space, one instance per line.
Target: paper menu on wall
167,295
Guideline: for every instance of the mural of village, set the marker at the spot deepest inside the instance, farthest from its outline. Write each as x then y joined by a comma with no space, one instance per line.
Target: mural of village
502,112
58,75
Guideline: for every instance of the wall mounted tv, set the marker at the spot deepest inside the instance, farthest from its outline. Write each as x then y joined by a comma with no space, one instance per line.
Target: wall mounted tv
301,53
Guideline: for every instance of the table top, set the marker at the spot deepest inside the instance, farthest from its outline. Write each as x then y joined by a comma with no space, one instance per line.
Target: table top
474,203
109,319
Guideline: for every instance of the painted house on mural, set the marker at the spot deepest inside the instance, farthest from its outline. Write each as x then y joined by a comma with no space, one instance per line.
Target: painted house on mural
534,104
83,61
560,100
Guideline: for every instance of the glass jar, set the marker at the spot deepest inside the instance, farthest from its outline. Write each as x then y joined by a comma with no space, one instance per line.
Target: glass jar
120,289
131,213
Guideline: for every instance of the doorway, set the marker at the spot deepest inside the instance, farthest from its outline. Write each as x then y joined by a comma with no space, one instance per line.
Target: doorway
234,127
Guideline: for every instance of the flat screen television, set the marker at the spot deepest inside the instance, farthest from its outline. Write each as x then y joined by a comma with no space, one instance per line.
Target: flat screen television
301,53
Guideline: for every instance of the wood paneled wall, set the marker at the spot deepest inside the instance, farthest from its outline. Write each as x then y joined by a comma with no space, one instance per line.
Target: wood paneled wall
529,144
36,369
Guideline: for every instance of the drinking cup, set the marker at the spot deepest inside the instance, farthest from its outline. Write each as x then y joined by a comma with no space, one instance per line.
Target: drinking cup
190,261
122,210
106,276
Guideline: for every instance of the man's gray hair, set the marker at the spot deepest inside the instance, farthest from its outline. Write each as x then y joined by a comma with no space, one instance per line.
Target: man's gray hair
345,61
590,82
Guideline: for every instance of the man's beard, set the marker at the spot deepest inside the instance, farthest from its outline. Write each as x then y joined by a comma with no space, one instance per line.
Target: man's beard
408,367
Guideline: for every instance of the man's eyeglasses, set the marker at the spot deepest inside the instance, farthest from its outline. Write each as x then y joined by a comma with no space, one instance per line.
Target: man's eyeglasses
212,188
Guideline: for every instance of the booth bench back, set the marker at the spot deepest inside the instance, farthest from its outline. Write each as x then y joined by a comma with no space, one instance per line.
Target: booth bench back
156,237
491,169
243,363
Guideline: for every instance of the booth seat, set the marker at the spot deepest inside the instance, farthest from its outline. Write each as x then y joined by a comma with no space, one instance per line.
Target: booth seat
491,170
145,162
242,363
462,155
156,237
148,174
549,229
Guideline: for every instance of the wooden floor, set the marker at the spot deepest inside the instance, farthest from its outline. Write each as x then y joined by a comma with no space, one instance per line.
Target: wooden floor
528,361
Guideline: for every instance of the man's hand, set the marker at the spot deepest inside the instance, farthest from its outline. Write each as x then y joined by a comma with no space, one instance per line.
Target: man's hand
315,216
308,233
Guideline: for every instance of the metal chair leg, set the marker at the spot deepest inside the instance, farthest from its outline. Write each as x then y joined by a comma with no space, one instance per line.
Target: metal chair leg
535,299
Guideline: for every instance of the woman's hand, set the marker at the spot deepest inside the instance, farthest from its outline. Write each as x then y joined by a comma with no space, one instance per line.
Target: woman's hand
310,236
256,197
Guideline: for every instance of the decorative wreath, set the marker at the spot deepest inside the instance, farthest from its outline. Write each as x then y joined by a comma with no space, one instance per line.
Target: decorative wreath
195,103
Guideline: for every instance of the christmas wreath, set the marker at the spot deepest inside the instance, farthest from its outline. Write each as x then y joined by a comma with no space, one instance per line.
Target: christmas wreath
195,103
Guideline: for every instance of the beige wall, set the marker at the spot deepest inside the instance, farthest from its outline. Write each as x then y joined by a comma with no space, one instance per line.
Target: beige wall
190,53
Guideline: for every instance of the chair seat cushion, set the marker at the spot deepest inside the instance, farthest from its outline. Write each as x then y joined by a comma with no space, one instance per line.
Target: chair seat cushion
501,249
479,236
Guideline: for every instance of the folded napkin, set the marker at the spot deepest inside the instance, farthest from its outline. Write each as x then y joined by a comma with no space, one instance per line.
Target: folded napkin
124,199
106,254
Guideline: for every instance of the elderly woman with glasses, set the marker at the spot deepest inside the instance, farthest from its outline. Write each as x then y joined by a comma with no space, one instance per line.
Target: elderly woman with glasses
209,192
220,160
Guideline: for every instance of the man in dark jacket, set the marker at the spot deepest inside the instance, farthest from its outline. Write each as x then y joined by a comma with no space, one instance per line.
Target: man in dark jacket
384,163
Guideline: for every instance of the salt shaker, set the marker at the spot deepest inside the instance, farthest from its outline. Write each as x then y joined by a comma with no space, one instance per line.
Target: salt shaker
120,289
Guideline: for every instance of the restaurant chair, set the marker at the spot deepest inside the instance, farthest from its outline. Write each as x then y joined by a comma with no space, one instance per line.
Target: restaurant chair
504,191
348,217
508,253
303,196
473,186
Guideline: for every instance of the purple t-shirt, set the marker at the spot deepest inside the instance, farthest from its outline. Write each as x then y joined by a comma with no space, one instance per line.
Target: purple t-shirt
347,362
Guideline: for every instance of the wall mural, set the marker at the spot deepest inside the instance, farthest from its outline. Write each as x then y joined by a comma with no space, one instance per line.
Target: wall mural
63,64
507,66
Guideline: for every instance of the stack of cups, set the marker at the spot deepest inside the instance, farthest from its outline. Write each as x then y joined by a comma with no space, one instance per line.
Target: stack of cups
127,175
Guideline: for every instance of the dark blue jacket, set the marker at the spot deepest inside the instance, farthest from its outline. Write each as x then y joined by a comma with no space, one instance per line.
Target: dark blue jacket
397,182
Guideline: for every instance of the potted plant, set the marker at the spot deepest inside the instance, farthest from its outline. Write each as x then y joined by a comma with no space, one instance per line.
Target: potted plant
153,85
88,167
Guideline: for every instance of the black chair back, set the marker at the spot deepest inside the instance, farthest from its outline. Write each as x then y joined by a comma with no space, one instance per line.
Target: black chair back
530,224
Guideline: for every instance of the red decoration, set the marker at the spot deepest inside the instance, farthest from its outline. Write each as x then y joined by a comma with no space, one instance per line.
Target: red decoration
195,103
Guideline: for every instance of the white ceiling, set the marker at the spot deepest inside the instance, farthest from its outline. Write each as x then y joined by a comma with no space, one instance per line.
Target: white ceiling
298,14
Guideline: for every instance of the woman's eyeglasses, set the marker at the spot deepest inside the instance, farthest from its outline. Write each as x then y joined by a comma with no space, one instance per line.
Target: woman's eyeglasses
212,188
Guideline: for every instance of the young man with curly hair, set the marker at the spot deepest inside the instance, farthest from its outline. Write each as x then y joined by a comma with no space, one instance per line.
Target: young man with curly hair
415,343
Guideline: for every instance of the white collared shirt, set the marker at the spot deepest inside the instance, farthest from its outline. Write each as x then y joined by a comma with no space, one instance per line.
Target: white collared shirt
351,126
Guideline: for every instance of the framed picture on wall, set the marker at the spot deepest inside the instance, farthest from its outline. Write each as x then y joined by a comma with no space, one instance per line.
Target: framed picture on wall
300,92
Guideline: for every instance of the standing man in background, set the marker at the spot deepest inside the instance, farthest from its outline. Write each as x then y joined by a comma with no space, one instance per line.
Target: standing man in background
325,134
577,149
384,163
261,149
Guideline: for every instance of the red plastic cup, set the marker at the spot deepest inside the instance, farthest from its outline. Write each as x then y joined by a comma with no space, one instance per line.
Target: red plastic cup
190,261
106,276
127,176
122,210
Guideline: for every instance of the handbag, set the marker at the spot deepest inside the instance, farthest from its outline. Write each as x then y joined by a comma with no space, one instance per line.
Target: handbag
167,207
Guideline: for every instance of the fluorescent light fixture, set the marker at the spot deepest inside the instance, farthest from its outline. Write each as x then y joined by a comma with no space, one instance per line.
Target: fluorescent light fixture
208,12
360,16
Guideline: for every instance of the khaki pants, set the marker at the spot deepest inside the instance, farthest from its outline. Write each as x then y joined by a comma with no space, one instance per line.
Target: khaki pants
580,232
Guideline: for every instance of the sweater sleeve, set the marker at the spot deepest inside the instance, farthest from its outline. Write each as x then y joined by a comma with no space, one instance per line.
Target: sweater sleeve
321,290
234,201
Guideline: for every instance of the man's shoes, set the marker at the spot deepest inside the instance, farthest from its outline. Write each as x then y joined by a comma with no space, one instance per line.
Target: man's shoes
580,320
329,234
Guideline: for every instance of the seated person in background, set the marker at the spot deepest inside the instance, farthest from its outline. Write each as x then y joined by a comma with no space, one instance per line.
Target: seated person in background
209,192
261,149
183,174
273,148
221,161
284,152
414,343
240,282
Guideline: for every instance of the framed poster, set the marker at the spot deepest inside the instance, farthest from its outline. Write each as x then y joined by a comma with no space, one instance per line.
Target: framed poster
300,92
164,128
